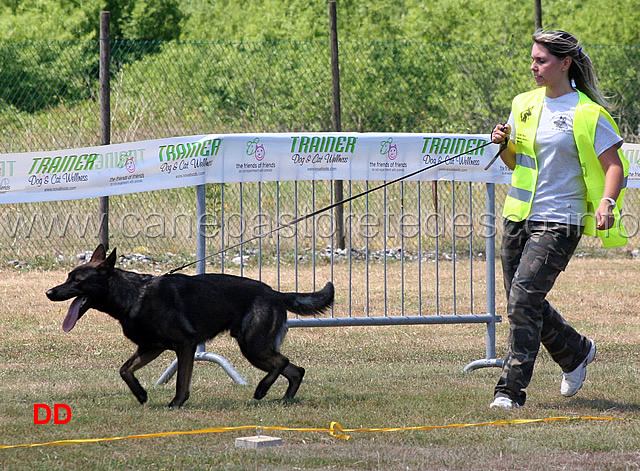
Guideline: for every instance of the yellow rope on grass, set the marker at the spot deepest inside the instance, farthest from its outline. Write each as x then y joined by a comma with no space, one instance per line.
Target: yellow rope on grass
335,430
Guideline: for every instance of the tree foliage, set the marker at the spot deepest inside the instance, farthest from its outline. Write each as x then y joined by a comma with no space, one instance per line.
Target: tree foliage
610,22
240,65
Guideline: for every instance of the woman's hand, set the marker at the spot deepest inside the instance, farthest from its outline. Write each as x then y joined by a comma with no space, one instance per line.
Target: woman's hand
604,215
500,133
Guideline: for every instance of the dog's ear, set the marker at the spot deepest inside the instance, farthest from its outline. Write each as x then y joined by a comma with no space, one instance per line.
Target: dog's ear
110,261
99,254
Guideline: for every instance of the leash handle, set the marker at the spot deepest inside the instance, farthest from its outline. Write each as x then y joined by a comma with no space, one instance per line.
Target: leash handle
503,146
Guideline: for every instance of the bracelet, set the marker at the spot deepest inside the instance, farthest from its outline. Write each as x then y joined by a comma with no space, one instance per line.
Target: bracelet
610,200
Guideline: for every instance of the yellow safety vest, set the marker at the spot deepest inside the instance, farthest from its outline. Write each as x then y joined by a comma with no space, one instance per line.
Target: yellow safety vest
526,111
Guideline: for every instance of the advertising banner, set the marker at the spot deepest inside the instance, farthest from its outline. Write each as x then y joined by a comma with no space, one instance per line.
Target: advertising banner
230,158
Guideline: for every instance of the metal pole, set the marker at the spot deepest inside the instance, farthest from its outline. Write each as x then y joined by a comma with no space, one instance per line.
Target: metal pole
105,117
201,240
538,8
338,185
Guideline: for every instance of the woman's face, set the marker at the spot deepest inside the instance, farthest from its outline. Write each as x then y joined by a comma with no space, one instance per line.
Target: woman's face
548,70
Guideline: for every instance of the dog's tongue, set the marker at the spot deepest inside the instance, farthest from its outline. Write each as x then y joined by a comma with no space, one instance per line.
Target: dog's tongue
73,314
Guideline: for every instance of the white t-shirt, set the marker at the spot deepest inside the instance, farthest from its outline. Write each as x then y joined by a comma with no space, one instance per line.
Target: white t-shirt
561,194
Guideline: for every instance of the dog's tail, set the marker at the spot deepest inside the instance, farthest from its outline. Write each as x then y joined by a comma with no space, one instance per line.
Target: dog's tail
308,304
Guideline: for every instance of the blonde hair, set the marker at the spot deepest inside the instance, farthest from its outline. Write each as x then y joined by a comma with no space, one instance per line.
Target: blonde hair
562,44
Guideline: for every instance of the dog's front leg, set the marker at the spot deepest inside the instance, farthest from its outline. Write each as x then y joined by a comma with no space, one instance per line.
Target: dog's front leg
137,361
185,356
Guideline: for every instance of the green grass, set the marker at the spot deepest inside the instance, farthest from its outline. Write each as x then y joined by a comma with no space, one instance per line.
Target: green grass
361,377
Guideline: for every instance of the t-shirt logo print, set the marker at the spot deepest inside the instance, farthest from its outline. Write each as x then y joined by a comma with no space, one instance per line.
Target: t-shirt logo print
561,122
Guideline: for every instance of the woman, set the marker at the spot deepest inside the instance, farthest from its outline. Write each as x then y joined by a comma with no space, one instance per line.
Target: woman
568,179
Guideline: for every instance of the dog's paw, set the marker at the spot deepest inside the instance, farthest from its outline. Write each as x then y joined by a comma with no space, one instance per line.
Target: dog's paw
142,397
259,394
177,403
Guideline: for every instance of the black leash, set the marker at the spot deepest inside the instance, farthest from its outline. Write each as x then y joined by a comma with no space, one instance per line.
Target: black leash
503,146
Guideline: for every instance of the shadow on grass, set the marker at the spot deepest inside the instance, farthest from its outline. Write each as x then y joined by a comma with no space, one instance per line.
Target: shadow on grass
601,405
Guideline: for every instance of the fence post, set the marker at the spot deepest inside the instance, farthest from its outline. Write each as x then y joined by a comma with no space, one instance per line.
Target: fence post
105,117
338,185
538,8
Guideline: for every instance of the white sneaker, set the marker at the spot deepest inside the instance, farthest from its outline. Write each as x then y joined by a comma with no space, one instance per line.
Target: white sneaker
572,382
503,403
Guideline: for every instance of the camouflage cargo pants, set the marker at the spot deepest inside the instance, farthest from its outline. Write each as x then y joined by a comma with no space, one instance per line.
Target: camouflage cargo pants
533,255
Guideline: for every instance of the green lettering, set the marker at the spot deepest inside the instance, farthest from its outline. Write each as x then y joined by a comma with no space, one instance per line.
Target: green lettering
71,162
446,144
435,145
315,144
206,151
55,164
33,165
91,160
293,144
479,151
44,165
304,143
215,146
160,149
459,145
171,155
79,163
180,149
193,148
426,143
330,144
351,144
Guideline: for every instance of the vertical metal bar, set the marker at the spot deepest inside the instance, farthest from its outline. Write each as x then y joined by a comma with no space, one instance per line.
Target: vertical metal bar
490,251
222,228
437,260
471,248
296,231
260,231
278,232
241,248
401,230
453,242
385,215
201,240
332,241
313,232
419,249
366,209
350,248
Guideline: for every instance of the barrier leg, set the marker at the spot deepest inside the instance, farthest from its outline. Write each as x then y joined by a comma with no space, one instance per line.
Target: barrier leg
203,355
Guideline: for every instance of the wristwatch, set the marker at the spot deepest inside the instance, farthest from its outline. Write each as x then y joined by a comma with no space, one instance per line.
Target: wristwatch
611,201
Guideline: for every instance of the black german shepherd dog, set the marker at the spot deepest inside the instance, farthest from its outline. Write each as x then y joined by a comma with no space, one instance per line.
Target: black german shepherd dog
177,312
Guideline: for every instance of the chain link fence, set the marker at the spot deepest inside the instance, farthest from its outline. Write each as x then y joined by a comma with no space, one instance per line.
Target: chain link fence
49,99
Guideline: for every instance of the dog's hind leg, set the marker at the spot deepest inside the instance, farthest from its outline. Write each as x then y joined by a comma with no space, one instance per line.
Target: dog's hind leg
137,361
260,341
185,356
294,374
266,359
274,366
